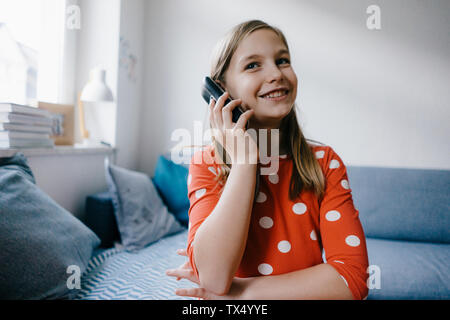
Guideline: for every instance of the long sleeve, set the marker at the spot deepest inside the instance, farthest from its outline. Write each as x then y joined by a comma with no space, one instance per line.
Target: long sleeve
203,193
341,231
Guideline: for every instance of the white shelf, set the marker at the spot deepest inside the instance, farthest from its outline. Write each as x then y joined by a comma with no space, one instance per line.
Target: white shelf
59,151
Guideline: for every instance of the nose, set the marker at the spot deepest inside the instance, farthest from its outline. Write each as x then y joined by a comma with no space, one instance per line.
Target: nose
274,73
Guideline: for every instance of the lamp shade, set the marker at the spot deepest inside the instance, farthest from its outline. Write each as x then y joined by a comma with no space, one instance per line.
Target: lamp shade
96,89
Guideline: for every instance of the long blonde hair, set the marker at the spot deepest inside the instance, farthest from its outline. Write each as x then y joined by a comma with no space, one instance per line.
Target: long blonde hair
307,174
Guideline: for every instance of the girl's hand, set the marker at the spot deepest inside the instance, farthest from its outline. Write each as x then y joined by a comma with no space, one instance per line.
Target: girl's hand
230,134
236,292
185,271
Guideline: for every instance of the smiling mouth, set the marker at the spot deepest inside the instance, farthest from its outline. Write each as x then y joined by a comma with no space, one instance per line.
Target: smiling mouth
276,95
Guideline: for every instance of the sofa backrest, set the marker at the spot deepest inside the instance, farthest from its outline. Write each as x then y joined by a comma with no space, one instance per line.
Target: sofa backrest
402,204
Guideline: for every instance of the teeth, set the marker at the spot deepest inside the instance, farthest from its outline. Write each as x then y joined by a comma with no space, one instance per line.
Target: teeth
274,94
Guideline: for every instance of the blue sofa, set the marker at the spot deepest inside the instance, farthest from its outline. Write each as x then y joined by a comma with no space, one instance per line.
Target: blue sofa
405,214
406,218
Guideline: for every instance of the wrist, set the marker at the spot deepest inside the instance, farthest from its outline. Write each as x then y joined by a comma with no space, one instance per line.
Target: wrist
244,167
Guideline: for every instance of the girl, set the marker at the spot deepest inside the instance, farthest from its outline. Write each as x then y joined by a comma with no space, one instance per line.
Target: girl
299,236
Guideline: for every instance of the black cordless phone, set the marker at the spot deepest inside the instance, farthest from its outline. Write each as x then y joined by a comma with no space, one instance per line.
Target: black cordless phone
212,88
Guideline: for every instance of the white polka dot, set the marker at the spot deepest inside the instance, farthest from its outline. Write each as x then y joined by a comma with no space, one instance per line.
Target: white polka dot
283,156
320,154
261,197
334,164
346,283
212,170
200,192
284,246
338,261
324,256
265,269
189,179
299,208
332,215
274,178
266,222
344,184
352,241
313,235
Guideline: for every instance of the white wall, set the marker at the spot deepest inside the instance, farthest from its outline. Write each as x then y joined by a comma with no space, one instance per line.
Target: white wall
377,97
130,82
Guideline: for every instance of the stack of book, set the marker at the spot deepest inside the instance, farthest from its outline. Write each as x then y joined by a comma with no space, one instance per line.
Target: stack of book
25,127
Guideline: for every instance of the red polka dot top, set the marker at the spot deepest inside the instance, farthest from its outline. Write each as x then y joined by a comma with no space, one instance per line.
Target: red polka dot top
286,235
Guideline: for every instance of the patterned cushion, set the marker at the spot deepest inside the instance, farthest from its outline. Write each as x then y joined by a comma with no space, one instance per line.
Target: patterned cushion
141,215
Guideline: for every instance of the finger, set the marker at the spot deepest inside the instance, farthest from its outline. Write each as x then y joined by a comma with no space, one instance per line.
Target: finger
183,273
242,121
227,114
217,111
185,265
212,103
192,292
182,252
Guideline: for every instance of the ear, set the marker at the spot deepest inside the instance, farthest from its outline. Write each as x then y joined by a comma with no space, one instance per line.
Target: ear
222,84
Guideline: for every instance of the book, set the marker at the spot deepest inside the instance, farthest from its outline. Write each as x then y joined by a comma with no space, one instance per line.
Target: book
5,135
63,130
26,143
25,119
18,108
24,127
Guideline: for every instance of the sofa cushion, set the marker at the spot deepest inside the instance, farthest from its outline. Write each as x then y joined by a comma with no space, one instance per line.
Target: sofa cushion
141,216
408,270
171,182
403,204
100,218
42,244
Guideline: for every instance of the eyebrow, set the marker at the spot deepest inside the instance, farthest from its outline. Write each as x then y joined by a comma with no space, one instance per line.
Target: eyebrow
253,56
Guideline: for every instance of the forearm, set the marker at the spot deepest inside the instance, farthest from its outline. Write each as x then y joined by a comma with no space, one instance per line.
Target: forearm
220,241
314,283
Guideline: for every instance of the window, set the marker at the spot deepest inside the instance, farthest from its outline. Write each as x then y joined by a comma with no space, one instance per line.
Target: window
32,42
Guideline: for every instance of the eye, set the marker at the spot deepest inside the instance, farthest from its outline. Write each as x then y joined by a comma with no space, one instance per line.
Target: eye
252,65
283,61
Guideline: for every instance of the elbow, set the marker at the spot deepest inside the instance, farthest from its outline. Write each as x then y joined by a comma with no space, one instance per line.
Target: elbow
214,277
364,293
216,284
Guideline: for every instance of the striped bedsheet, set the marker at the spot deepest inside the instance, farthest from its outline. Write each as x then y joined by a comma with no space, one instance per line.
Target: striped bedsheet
116,274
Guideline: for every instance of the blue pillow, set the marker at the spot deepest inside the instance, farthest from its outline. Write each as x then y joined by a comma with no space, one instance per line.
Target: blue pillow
171,181
141,215
42,245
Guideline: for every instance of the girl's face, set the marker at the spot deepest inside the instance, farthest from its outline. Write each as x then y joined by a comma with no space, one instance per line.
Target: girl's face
261,75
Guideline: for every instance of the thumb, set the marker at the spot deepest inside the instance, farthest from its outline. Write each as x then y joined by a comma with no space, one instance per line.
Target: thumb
244,118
